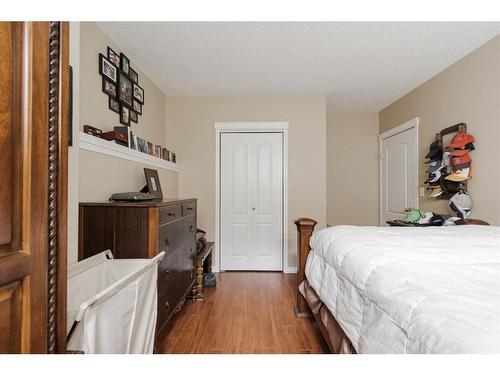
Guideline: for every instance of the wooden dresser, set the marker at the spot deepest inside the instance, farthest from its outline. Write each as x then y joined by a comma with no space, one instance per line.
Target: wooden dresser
142,230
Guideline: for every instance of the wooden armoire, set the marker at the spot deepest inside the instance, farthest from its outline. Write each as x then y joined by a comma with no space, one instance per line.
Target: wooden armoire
33,185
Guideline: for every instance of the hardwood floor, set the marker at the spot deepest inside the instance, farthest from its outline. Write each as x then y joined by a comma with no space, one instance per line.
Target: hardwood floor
248,312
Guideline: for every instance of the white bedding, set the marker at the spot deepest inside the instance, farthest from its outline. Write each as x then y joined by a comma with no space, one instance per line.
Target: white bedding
411,290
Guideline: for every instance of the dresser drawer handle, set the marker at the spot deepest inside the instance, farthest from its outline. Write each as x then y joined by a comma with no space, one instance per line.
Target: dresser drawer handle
191,228
168,272
167,242
189,208
167,304
170,213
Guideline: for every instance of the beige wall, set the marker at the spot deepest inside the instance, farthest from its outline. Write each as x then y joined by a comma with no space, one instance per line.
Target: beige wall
102,175
117,175
352,168
190,126
94,103
468,91
98,176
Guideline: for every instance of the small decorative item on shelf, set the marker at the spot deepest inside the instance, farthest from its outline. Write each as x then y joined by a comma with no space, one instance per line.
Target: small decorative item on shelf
118,136
92,131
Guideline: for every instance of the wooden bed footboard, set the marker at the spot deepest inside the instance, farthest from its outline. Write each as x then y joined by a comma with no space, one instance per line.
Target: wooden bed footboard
305,228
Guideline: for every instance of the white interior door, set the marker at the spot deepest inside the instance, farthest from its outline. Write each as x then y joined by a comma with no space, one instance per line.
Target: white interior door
399,174
251,197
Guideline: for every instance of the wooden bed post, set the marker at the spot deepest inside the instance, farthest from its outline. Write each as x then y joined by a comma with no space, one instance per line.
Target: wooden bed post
305,228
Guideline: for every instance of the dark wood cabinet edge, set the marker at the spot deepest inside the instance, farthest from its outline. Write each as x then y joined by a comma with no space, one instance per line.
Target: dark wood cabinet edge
153,203
305,228
162,332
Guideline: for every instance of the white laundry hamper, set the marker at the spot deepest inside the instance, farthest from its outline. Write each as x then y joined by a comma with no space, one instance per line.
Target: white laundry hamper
112,304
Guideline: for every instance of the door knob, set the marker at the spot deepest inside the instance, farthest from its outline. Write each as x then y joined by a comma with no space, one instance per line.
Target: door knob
253,208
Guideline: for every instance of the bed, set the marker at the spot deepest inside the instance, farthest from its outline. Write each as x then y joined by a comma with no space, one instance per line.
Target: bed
402,290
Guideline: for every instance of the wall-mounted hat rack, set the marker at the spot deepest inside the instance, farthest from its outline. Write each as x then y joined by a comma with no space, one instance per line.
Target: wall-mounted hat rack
458,128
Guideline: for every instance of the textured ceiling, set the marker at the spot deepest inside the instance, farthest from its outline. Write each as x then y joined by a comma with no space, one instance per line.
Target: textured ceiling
358,66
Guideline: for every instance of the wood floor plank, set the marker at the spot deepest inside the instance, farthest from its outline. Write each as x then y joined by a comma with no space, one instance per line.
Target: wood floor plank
248,312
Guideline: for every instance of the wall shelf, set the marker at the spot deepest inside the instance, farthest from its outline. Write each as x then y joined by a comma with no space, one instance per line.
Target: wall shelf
102,146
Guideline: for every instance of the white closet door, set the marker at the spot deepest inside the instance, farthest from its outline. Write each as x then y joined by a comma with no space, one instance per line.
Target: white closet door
399,175
251,201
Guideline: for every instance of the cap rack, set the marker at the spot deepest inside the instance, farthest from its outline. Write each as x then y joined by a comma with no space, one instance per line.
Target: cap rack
458,128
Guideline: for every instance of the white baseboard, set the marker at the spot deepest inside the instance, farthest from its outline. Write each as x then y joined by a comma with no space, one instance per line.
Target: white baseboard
290,270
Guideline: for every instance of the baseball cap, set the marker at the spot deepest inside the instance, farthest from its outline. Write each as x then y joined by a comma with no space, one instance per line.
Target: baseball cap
459,152
461,204
460,140
436,166
446,158
460,174
436,220
435,151
460,162
413,215
436,191
450,187
426,217
434,176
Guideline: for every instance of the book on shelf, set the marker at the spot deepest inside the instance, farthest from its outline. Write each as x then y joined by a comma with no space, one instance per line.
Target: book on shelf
144,146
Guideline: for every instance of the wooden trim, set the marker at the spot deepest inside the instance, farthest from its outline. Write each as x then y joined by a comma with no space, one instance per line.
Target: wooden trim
251,126
153,231
62,185
305,228
37,55
413,123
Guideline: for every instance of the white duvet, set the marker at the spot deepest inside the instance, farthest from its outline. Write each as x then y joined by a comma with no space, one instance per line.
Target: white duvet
411,290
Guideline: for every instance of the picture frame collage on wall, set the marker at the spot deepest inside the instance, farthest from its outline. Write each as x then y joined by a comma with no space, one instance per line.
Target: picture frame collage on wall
121,83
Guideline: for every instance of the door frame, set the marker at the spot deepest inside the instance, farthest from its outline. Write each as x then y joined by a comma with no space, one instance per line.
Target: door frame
410,124
252,127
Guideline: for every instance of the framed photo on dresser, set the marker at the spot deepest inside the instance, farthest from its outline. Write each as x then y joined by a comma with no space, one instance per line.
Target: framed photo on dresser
153,182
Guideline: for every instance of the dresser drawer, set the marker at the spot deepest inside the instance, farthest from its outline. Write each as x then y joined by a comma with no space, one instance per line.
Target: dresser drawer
169,297
170,213
188,208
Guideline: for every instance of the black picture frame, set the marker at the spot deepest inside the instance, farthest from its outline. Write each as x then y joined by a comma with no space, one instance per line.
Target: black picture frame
153,182
125,89
124,115
124,64
133,74
107,69
109,88
137,107
113,57
138,93
114,105
134,117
